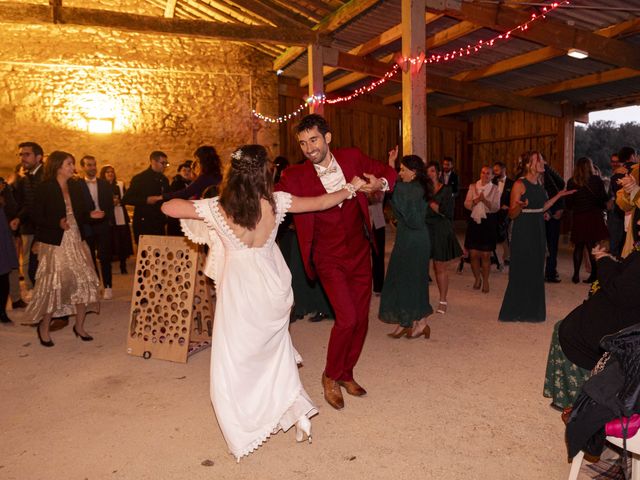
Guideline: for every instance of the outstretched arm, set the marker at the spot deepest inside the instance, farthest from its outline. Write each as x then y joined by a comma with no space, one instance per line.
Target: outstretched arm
179,208
328,200
556,197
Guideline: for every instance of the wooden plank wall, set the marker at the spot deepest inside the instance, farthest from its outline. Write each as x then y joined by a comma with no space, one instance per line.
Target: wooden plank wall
504,136
373,128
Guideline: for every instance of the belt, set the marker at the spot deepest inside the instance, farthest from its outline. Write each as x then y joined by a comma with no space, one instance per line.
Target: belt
532,210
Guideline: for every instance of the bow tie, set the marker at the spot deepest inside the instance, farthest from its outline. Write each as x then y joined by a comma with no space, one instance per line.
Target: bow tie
327,171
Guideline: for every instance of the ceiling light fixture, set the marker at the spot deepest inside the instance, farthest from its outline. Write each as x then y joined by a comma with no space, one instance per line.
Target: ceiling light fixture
579,54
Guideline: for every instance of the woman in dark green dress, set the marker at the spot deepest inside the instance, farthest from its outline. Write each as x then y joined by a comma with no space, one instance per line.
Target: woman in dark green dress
405,295
444,244
524,298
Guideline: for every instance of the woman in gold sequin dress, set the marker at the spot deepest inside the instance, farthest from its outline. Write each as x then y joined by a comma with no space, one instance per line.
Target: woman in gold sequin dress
66,280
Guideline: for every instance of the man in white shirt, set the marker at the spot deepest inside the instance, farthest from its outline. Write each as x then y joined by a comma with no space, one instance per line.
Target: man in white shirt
99,231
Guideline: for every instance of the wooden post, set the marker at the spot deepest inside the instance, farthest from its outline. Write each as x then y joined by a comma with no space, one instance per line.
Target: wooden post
316,77
566,144
414,99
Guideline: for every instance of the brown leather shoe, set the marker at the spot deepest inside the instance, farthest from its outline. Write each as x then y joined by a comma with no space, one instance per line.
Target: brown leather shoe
332,392
352,388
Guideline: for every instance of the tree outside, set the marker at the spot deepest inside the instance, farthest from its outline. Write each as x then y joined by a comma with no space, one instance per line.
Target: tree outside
598,140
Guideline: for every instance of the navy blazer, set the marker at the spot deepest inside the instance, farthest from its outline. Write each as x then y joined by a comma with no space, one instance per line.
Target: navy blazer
50,208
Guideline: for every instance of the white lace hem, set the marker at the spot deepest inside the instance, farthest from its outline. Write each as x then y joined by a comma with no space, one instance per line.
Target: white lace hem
299,406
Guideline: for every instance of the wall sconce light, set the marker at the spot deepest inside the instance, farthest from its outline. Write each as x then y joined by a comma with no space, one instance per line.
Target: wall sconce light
579,54
100,125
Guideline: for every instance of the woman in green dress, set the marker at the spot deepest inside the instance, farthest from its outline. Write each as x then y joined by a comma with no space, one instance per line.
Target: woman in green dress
444,244
405,295
524,298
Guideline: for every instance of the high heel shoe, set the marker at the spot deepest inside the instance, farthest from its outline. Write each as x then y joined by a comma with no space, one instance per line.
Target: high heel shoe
48,343
575,279
84,338
303,427
400,333
442,308
426,331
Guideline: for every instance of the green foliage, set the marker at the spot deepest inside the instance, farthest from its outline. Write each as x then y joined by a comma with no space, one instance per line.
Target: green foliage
602,138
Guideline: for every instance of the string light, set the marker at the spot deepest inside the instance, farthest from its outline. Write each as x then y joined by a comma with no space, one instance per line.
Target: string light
415,63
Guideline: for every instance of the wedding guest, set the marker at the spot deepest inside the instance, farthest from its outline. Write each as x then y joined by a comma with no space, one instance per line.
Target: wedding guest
505,184
405,295
628,199
378,227
553,183
524,298
255,385
120,229
444,244
588,206
615,216
8,257
483,199
67,283
145,194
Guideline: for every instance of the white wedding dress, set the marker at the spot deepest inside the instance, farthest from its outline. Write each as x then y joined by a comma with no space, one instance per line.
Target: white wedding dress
255,386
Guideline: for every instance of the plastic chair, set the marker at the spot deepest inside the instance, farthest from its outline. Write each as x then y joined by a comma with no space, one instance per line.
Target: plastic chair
633,447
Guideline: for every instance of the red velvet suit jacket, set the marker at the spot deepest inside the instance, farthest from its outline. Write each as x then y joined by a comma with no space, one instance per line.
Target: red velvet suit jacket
302,181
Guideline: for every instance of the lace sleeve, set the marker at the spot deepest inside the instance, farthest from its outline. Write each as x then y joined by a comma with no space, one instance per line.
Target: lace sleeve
283,204
204,232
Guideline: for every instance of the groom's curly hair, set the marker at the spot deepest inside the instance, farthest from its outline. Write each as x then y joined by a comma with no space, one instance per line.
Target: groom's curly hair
247,180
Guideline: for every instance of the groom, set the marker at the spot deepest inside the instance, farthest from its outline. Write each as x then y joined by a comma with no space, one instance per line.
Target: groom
335,244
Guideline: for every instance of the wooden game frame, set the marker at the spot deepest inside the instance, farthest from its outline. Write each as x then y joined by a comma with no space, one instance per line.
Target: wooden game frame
172,301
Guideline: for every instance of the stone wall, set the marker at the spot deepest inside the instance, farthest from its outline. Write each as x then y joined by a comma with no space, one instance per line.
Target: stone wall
160,92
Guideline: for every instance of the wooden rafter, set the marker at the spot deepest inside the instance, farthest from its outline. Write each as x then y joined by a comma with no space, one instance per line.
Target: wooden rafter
268,14
537,56
550,32
313,17
237,14
385,38
468,90
328,24
27,13
170,9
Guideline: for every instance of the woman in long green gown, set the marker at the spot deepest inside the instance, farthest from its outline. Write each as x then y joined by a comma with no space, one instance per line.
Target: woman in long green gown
405,295
524,299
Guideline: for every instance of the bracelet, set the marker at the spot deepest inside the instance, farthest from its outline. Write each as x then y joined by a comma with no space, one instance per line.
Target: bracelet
351,189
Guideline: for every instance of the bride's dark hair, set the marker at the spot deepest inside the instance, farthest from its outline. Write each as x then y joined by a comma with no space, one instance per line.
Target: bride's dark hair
247,179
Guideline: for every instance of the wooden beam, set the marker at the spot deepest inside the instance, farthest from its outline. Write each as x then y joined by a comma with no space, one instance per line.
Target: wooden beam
468,90
330,23
572,84
26,13
385,38
414,100
609,103
550,32
170,9
56,5
316,83
476,91
268,14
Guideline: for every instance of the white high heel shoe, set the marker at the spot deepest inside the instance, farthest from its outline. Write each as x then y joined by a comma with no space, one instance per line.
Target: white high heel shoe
303,427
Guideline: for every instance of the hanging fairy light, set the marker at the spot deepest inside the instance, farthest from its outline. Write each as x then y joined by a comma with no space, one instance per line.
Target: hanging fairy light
415,64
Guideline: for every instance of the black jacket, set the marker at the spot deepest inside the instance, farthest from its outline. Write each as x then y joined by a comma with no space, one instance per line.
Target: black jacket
453,182
146,218
24,194
553,183
49,209
105,203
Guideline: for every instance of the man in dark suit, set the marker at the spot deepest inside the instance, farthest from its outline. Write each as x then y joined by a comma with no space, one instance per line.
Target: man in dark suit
99,231
31,155
145,194
553,183
335,244
505,184
448,176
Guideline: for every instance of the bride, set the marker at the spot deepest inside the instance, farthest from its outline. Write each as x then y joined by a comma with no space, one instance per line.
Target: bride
255,386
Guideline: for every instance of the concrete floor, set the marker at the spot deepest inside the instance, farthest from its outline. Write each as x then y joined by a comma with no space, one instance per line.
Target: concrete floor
466,404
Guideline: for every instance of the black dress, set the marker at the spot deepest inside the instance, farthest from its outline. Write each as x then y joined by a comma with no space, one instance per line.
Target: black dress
524,299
